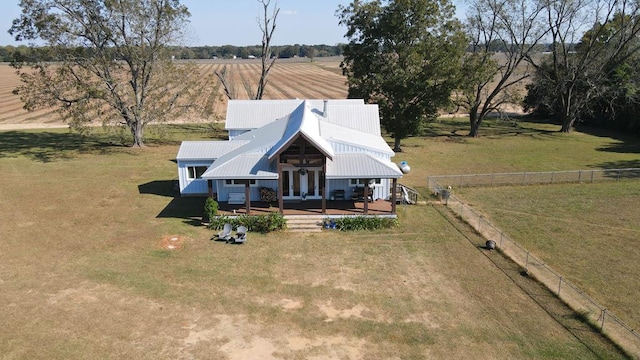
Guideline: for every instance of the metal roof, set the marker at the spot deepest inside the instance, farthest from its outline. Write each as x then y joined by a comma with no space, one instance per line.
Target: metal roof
344,166
206,150
253,114
359,165
258,141
248,156
303,121
363,140
244,166
364,117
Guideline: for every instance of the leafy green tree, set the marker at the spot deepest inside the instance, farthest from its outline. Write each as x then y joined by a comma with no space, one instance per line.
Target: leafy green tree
571,78
112,62
405,56
617,102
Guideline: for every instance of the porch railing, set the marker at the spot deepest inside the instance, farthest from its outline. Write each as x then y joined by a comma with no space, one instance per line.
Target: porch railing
407,195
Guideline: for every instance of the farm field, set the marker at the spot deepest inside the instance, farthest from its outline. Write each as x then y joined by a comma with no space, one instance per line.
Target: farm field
289,79
85,272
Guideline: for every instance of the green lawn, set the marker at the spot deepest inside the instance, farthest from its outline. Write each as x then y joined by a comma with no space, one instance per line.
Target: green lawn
83,273
588,232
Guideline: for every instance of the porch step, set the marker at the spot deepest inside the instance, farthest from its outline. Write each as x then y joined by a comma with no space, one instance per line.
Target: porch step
304,223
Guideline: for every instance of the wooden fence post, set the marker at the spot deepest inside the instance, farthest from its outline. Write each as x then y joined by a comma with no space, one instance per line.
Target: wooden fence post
559,286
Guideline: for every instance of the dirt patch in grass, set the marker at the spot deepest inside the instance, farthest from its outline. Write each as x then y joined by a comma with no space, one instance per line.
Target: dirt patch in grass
172,242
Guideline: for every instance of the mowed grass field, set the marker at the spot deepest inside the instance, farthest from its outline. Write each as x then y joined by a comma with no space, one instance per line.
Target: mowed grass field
85,273
589,233
288,79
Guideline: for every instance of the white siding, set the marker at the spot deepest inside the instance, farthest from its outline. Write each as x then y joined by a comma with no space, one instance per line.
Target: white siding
341,184
381,191
192,186
224,190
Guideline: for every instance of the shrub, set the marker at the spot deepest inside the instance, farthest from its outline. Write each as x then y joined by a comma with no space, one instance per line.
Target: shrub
217,222
210,209
365,223
258,223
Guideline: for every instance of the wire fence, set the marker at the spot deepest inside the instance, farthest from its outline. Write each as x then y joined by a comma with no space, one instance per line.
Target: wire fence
621,333
532,178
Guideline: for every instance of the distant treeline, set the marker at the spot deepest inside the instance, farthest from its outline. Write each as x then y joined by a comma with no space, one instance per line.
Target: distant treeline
499,46
9,53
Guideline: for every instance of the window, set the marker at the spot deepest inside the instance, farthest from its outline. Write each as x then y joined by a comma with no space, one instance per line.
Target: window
227,182
195,172
361,182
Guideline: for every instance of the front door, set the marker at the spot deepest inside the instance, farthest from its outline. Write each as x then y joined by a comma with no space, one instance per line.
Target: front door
301,184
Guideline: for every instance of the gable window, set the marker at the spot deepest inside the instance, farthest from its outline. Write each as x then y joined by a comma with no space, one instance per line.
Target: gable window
195,172
361,182
229,182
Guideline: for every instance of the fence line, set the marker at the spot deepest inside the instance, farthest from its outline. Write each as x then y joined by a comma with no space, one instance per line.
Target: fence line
533,178
621,333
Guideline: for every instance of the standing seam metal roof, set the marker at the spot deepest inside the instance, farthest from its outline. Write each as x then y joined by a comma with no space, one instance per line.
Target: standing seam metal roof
254,114
358,165
248,156
206,150
303,121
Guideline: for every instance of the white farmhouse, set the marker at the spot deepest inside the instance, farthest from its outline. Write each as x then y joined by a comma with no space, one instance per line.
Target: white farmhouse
301,149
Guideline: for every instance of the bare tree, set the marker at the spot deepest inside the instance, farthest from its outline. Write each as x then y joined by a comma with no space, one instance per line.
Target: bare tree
229,87
267,25
503,35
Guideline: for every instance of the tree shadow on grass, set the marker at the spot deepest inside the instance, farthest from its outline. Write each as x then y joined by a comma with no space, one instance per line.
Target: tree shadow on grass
49,146
493,126
190,209
625,143
622,164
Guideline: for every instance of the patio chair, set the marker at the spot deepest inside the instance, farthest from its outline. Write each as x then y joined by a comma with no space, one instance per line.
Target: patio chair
338,195
241,236
223,235
358,194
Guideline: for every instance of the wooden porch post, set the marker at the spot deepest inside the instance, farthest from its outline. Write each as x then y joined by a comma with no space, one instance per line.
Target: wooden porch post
394,189
280,191
247,196
324,185
366,196
210,188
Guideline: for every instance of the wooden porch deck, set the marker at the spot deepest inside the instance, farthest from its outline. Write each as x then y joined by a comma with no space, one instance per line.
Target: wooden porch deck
310,207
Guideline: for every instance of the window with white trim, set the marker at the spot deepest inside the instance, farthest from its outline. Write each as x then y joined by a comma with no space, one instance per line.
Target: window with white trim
361,182
229,182
195,172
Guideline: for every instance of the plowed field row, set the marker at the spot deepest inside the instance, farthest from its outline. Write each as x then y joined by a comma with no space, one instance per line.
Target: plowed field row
287,80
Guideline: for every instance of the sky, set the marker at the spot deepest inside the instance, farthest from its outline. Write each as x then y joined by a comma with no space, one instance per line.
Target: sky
235,22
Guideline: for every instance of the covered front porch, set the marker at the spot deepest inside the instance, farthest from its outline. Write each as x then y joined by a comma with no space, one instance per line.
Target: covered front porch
312,207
